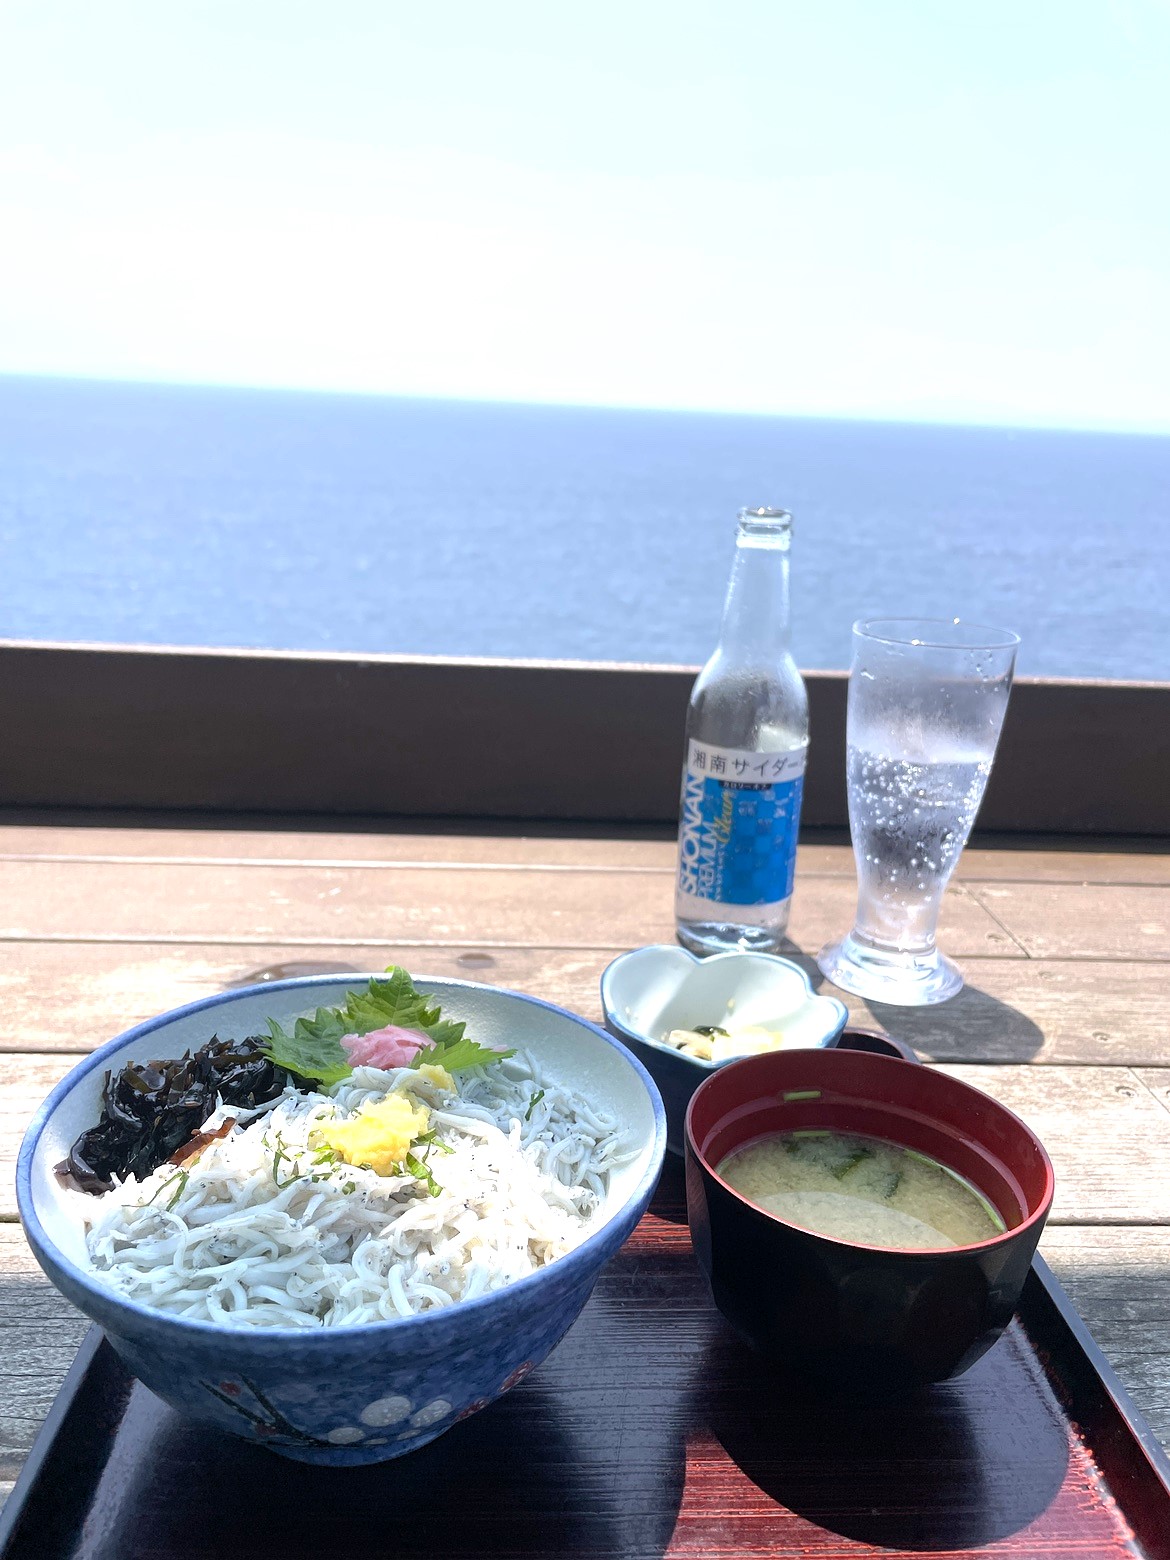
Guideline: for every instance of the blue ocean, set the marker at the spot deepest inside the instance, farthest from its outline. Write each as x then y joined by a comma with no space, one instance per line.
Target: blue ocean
189,516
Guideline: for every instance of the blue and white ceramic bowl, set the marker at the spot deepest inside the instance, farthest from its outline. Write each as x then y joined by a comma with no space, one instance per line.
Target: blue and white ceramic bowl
650,991
366,1393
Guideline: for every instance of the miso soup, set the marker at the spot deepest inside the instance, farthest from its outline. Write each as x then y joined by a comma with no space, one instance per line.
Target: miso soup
863,1189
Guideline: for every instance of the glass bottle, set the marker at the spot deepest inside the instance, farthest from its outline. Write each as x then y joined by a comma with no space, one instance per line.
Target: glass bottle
743,769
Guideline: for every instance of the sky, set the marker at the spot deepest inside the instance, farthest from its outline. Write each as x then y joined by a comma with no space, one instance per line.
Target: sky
900,209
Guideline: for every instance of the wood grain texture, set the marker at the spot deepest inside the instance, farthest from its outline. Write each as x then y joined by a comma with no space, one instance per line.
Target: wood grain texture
1157,1080
516,850
41,1332
27,1080
1072,866
72,997
1018,1010
68,997
426,843
1106,1134
1119,1281
1100,921
312,905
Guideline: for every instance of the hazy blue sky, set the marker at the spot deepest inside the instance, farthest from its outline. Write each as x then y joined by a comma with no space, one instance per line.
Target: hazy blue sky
899,208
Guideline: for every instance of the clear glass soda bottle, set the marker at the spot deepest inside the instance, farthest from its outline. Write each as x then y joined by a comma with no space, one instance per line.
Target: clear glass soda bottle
743,770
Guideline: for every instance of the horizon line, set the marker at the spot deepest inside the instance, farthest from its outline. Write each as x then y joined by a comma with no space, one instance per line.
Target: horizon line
990,424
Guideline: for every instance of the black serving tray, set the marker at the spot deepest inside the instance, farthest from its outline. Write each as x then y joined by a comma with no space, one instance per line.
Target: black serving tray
649,1431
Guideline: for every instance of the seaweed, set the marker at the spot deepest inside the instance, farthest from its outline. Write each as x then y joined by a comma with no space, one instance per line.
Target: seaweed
850,1161
152,1110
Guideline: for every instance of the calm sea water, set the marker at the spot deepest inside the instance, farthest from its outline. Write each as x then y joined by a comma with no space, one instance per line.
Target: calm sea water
224,517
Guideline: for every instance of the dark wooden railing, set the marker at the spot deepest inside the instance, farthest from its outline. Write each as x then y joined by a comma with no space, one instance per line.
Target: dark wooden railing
278,732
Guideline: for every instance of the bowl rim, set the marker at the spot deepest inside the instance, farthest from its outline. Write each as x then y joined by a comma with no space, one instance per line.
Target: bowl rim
276,1338
1006,1236
698,1062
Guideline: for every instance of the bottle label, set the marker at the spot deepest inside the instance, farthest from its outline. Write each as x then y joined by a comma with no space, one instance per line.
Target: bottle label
737,834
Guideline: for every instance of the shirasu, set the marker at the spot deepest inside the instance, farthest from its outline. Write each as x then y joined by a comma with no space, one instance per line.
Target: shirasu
264,1230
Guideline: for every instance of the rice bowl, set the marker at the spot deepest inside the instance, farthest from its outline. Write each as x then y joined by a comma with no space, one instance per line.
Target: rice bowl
399,1362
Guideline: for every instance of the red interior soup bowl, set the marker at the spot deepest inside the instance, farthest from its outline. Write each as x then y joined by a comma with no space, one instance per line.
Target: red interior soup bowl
844,1310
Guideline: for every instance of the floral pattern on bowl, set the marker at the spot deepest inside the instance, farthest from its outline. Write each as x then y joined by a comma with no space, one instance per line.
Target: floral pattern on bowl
266,1422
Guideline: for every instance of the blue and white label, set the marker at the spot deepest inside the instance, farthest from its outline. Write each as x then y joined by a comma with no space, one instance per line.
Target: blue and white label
737,833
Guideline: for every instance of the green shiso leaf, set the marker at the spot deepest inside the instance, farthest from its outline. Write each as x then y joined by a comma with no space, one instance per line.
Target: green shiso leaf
314,1050
458,1055
395,1001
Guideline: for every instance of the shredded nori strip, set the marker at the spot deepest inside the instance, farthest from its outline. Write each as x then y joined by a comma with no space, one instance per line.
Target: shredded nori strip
151,1109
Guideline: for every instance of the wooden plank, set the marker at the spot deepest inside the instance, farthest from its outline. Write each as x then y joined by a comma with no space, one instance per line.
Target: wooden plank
220,841
313,905
1106,1134
1074,1110
1157,1080
70,996
91,726
41,1333
27,1080
1053,921
1018,1010
374,849
1055,864
1119,1281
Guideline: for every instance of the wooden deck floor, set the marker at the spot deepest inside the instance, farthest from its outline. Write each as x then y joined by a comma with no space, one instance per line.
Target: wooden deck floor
1067,954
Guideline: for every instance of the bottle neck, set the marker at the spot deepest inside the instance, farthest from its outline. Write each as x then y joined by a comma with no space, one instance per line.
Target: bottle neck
755,614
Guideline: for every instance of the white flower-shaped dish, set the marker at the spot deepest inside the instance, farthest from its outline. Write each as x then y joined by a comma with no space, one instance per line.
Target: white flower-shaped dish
647,993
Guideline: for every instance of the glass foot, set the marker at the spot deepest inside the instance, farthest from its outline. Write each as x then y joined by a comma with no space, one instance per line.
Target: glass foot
887,975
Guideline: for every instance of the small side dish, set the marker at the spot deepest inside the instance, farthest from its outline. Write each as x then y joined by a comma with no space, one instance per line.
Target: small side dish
716,1009
723,1043
683,1017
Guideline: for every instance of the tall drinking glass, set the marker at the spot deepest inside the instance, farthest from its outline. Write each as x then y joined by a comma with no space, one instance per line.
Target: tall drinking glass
926,704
